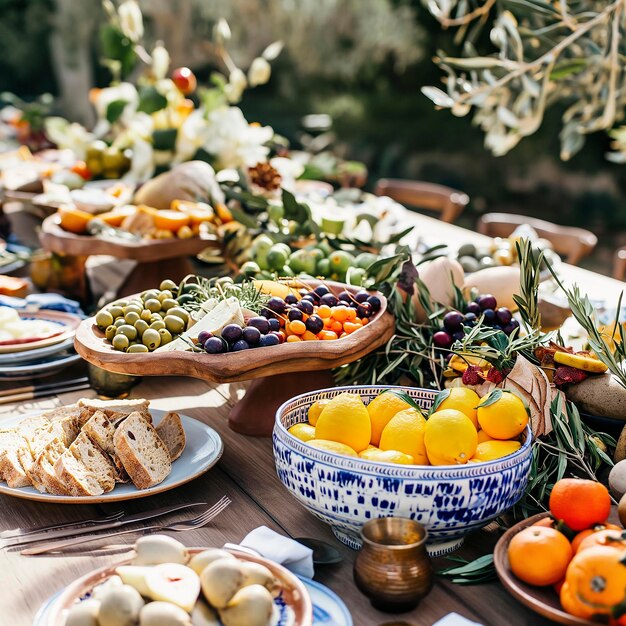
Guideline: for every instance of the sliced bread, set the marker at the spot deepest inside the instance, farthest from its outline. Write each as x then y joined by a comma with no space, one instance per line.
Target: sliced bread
95,461
42,473
116,410
78,480
74,412
12,445
172,433
141,451
100,430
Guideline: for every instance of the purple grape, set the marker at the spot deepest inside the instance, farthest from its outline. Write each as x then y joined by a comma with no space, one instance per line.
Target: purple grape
295,314
473,307
364,310
487,301
260,323
375,303
504,315
291,299
345,302
442,339
361,296
276,304
240,345
329,299
306,306
269,340
214,345
452,321
314,324
252,335
344,295
497,327
321,290
281,336
232,333
470,319
203,335
511,326
489,316
274,325
458,335
308,298
265,312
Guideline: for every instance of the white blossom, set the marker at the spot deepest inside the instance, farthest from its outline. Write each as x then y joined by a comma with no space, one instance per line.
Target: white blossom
237,83
68,136
259,72
160,61
131,20
221,31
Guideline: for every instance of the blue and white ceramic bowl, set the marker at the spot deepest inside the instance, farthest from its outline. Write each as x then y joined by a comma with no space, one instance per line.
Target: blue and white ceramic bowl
345,492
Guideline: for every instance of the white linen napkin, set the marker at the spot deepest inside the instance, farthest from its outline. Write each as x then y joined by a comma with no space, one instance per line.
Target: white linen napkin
284,551
454,619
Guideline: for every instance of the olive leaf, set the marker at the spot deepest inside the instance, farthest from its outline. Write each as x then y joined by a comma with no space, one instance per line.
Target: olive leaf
441,396
405,397
115,110
492,398
476,572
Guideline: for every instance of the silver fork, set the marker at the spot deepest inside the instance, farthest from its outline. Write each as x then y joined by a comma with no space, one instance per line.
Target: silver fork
191,524
22,532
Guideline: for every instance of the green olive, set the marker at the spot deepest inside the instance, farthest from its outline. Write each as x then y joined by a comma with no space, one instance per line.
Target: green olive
149,294
120,321
166,336
120,342
185,298
120,303
152,339
138,347
188,288
128,330
141,326
158,324
146,314
116,311
168,303
131,317
165,294
153,305
179,312
224,280
174,324
104,319
133,308
109,333
168,284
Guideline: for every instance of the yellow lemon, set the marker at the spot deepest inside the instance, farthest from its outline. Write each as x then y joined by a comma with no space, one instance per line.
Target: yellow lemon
483,436
490,450
345,420
505,418
450,438
304,432
332,446
381,409
315,410
464,400
387,456
405,432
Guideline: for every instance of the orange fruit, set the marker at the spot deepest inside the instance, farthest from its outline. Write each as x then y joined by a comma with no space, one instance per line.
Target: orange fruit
608,538
539,555
580,503
595,583
547,522
505,418
117,216
170,220
340,313
464,400
74,220
583,534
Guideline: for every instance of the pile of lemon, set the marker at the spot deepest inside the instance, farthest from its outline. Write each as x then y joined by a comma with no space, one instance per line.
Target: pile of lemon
464,428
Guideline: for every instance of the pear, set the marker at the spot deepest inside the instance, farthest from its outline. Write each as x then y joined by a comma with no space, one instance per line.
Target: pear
84,613
163,614
135,576
250,606
156,549
206,557
257,574
204,615
175,583
220,581
120,606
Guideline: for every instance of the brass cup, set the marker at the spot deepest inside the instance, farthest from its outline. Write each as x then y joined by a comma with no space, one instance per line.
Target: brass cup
109,384
393,569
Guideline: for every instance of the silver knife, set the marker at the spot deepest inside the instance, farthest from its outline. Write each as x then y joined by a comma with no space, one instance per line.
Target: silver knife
59,534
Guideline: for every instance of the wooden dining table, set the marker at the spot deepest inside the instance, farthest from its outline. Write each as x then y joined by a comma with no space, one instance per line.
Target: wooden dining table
246,474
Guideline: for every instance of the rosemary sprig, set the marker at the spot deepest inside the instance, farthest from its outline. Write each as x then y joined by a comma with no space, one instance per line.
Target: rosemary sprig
203,289
530,277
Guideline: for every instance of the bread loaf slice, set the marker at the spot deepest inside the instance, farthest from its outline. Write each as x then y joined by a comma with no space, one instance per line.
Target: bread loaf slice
78,480
100,430
12,444
73,413
141,451
116,410
94,460
42,473
172,433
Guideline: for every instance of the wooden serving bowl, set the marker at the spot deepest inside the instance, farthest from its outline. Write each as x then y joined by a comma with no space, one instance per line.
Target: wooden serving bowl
302,356
54,239
293,591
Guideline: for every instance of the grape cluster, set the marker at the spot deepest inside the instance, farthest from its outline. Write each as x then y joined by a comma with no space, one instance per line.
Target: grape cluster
485,307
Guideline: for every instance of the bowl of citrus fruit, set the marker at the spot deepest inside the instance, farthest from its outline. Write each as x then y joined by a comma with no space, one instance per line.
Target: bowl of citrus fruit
451,460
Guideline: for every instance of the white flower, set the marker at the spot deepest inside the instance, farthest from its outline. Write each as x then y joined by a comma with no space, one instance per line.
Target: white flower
123,91
142,161
221,32
131,20
289,171
160,61
237,82
233,141
259,72
68,136
191,136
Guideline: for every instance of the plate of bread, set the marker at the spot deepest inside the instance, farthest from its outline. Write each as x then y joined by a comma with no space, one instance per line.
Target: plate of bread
102,451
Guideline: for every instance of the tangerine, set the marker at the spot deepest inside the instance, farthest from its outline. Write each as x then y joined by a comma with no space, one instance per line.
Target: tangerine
583,534
580,503
608,538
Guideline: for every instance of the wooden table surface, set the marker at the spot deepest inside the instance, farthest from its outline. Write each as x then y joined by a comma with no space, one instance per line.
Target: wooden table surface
246,474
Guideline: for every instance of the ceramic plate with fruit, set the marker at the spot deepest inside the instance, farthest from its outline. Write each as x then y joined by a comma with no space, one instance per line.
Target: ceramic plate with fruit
167,583
567,565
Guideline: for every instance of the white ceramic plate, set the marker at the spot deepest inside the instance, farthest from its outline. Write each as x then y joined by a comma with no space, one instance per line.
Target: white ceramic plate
37,354
203,450
67,324
39,369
